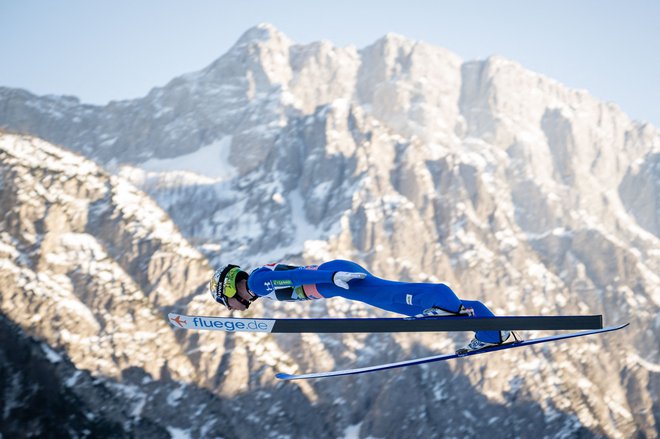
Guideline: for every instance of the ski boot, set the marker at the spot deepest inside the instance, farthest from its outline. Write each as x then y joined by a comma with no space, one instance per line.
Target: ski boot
476,345
439,312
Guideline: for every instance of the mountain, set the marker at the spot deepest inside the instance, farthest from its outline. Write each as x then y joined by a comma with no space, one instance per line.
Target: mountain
89,264
503,183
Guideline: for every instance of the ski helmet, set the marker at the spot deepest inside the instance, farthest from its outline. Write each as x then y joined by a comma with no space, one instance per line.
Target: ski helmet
223,285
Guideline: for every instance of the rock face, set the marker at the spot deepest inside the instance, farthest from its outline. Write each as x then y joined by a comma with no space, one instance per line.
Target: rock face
89,264
503,183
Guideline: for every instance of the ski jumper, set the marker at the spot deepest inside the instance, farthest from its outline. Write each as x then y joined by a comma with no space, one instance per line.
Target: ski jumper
292,283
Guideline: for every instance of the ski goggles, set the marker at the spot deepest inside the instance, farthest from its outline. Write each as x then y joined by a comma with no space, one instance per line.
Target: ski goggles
229,282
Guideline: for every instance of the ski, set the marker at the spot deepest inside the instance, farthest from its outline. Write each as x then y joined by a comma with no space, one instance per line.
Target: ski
515,344
423,324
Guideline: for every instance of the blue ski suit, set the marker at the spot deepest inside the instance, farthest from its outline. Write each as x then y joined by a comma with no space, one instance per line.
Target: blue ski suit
292,283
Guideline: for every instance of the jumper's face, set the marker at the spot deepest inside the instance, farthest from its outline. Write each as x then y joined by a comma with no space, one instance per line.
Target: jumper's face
241,290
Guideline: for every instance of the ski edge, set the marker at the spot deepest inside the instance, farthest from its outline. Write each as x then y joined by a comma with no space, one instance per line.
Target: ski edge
444,357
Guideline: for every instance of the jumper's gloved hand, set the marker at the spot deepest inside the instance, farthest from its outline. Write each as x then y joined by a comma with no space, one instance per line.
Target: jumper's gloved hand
341,278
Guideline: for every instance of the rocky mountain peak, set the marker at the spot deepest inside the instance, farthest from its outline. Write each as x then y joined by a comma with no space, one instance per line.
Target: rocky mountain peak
394,41
263,33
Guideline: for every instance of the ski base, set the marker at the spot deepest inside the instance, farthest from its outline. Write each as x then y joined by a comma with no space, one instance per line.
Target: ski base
372,325
436,358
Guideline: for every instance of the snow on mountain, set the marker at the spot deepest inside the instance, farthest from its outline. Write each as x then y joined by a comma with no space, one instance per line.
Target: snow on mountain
501,182
68,230
210,161
89,268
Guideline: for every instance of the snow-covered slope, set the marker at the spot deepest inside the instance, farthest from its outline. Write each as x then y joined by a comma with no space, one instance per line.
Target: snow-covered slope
507,185
89,267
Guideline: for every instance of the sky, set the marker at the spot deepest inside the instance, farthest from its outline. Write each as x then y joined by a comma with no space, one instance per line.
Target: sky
106,50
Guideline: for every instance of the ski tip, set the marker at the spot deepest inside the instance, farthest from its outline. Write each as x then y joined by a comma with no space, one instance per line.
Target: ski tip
284,376
176,320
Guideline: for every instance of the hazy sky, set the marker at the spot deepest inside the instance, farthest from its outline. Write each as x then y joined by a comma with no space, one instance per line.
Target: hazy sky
102,50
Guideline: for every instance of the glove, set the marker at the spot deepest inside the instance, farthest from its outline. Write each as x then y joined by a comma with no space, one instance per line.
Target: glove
341,278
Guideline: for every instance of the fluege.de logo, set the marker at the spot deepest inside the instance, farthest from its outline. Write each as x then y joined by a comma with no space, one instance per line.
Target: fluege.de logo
232,325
